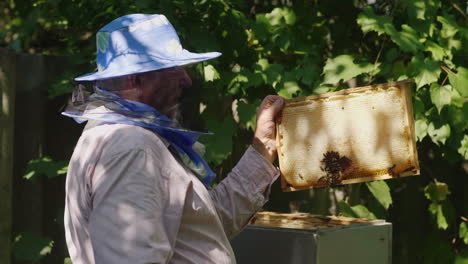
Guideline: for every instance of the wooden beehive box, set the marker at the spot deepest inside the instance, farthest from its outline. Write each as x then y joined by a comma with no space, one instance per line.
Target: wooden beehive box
353,135
302,238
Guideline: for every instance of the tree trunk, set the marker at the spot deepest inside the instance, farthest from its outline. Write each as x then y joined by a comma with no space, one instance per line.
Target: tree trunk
7,101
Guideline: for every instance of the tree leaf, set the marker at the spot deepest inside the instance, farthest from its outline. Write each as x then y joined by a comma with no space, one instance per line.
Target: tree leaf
443,214
463,232
407,39
280,16
437,191
440,95
463,149
449,26
438,53
357,211
425,71
211,73
45,166
362,212
459,81
381,192
439,135
421,129
346,210
289,89
369,21
343,68
28,247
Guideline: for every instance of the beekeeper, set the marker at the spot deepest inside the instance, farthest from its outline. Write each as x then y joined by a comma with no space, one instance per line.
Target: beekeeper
138,190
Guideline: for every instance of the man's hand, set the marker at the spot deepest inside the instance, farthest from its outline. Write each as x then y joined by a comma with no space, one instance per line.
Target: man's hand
265,134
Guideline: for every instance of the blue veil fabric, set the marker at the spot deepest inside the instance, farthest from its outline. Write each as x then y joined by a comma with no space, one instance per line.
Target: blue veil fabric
109,108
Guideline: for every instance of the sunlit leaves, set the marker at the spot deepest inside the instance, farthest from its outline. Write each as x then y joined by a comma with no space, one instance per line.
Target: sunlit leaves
439,135
343,68
440,95
441,210
288,89
29,247
459,81
424,70
438,53
449,26
421,129
437,191
210,73
463,232
369,21
357,211
463,149
443,214
381,192
281,16
45,166
407,39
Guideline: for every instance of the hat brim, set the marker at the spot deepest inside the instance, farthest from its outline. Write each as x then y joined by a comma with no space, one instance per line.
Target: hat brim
150,65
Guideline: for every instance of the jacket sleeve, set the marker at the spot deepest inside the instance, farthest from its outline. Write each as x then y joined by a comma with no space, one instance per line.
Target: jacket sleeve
129,194
244,191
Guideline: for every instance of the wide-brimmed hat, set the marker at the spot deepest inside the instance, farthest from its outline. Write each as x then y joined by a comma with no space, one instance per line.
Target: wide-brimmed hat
139,43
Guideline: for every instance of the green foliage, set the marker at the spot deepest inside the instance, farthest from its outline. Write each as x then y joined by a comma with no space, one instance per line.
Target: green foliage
443,214
441,210
343,68
45,166
459,81
218,145
248,113
210,73
439,135
463,150
357,211
425,71
437,191
463,232
369,21
381,192
29,247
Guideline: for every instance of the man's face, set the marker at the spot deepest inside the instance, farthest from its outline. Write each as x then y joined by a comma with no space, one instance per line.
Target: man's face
163,89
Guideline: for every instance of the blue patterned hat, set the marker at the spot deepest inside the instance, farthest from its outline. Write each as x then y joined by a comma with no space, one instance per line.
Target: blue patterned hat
139,43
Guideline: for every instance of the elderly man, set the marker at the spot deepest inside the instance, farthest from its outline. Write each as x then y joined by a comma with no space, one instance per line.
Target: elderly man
137,189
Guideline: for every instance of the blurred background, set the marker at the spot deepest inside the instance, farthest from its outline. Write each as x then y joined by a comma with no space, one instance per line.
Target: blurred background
286,47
